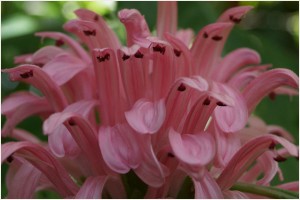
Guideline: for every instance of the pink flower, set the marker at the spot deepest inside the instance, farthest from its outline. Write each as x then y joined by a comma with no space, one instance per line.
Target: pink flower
167,111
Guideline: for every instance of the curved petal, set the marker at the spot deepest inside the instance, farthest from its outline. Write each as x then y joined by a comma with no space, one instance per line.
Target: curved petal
234,14
92,188
186,36
45,55
146,117
119,147
136,27
166,18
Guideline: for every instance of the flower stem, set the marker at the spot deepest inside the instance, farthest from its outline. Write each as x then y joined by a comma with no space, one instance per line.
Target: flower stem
271,192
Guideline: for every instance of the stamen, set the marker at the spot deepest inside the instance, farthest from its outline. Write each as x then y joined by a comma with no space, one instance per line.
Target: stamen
125,57
27,74
177,52
234,19
279,158
219,103
217,38
206,102
9,159
205,35
103,58
71,122
138,54
159,49
90,32
181,87
59,42
170,155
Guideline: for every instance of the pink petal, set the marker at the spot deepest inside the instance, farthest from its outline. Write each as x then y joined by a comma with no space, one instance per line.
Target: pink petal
22,135
279,131
207,48
166,18
146,117
234,61
75,46
38,78
119,147
266,83
234,14
26,58
186,36
292,186
92,188
45,55
207,188
136,27
231,118
45,162
197,149
247,155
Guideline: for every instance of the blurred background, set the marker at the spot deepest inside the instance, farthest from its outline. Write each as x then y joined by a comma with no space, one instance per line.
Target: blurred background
271,28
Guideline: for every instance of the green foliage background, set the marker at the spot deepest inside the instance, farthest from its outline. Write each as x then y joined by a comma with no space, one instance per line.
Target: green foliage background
271,29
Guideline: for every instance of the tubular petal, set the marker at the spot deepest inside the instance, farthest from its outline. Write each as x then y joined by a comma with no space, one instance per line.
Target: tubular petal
234,14
92,188
166,18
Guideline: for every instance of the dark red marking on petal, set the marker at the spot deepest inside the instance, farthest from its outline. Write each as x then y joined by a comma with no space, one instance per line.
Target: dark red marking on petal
103,58
275,133
219,103
138,54
279,158
96,17
59,42
234,19
27,74
170,155
159,49
272,146
9,159
217,38
89,32
177,52
206,102
39,64
125,57
72,122
272,96
181,87
205,35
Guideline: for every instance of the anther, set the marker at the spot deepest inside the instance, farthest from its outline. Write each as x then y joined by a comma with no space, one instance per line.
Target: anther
103,58
181,87
279,158
206,102
217,38
27,74
72,122
205,35
159,49
234,19
9,159
219,103
170,155
59,42
138,54
177,52
125,57
90,32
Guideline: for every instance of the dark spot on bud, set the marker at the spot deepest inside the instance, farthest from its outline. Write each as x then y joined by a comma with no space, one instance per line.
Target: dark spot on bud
177,52
159,49
206,102
96,17
72,122
234,19
27,74
279,158
9,159
125,57
138,54
89,32
59,42
181,87
219,103
217,38
205,35
272,146
272,96
103,58
170,155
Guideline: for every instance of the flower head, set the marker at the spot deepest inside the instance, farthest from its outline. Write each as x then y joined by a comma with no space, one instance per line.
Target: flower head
170,107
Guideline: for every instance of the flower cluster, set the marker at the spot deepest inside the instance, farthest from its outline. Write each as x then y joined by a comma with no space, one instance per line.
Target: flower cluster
162,108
